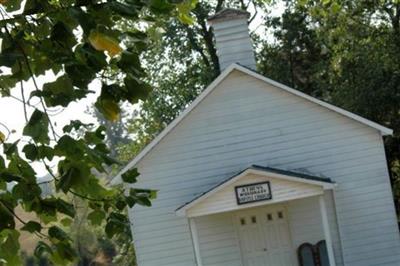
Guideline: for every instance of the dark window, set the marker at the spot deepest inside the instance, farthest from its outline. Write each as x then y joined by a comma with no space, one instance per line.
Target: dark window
280,215
269,217
242,221
253,219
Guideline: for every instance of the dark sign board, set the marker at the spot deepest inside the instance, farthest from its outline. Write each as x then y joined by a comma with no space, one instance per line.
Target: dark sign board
253,192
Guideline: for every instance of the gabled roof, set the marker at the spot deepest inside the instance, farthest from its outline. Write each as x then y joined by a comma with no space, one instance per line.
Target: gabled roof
384,130
326,183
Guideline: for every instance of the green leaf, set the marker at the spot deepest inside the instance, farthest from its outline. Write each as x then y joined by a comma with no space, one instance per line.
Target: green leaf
46,209
10,56
131,201
67,146
80,74
7,219
12,5
45,152
65,207
2,163
90,57
96,137
136,89
109,108
26,191
76,125
42,249
96,217
144,201
11,148
116,224
60,92
30,151
142,196
20,167
125,10
103,42
184,9
56,233
62,35
66,221
2,137
32,226
130,63
9,247
38,127
63,253
72,175
130,176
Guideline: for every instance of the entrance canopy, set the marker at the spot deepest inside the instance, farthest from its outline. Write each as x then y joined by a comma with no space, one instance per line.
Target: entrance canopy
255,186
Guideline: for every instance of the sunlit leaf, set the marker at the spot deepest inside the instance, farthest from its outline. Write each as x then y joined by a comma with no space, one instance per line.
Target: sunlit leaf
96,217
109,108
9,247
102,42
2,137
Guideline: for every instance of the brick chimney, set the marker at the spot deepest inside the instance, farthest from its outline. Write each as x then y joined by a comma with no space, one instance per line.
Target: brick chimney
231,33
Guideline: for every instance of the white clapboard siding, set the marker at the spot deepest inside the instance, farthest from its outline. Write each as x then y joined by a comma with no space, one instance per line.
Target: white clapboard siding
233,43
225,199
218,240
306,223
242,122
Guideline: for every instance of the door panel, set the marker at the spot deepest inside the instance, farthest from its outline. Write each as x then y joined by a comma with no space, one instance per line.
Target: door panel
251,241
264,237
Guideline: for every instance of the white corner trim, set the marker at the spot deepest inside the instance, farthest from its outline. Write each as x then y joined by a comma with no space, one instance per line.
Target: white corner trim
327,230
195,241
117,179
183,211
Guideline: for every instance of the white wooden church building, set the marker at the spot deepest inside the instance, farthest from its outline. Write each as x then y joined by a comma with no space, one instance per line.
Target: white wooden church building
254,173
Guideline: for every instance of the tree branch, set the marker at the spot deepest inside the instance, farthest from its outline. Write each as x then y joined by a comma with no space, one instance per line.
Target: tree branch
196,46
11,211
219,5
208,39
254,16
23,99
88,198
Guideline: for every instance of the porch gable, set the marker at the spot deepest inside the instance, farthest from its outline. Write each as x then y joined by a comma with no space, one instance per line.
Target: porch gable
282,185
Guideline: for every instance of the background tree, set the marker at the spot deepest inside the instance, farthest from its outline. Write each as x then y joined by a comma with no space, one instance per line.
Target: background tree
346,53
73,42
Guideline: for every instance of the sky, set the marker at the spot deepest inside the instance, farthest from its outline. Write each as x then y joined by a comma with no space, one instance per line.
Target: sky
12,114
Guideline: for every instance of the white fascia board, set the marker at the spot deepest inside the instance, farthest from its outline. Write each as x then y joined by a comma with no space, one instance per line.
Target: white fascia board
117,179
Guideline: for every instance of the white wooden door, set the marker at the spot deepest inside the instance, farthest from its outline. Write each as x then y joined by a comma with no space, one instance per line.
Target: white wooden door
264,237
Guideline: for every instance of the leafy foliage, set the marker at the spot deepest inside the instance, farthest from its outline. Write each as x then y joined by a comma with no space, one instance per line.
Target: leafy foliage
78,42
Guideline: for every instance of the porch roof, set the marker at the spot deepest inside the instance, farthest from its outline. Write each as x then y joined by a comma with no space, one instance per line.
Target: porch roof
324,183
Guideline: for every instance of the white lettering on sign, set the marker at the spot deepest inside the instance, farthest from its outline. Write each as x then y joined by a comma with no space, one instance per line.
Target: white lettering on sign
253,192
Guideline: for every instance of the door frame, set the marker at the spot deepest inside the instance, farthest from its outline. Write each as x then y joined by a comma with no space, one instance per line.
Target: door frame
259,209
